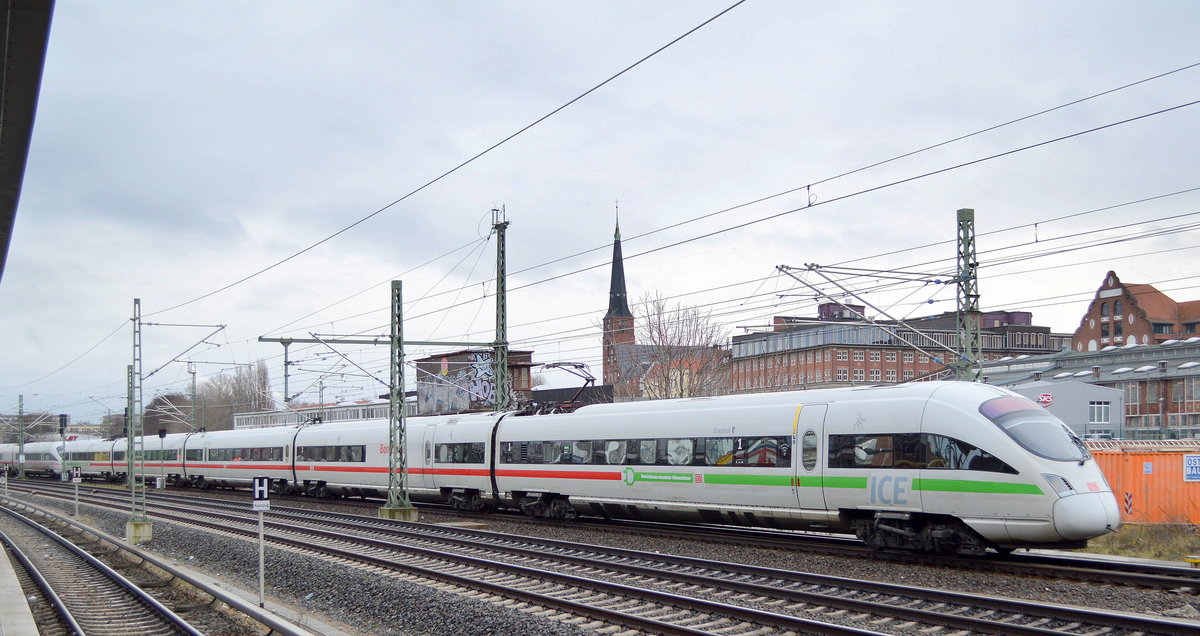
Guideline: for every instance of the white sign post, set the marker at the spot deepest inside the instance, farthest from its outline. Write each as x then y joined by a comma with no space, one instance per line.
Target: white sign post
262,503
76,477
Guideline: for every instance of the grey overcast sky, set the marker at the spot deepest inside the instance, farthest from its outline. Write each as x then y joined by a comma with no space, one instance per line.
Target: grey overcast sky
182,146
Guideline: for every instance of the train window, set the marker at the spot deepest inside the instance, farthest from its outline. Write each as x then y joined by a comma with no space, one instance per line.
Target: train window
460,453
678,452
355,453
909,451
1034,428
581,452
428,451
719,451
556,452
860,451
763,451
647,451
194,454
808,450
614,451
952,454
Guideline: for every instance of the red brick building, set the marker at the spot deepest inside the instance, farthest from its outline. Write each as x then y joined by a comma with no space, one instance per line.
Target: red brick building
1131,314
834,349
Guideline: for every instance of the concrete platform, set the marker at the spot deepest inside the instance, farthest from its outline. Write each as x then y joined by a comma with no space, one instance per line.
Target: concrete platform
15,617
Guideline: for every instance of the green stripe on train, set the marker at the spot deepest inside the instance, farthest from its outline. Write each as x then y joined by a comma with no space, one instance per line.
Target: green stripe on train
749,480
966,485
786,480
858,483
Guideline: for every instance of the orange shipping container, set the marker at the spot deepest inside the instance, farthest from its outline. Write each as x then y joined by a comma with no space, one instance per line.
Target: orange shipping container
1154,486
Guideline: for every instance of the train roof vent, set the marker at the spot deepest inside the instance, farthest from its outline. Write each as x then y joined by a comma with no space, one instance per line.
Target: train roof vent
1131,345
1122,370
1167,343
1148,367
1109,348
1064,374
1193,339
1189,365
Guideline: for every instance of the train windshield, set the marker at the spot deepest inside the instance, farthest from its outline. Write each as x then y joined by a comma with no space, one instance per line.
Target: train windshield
1034,428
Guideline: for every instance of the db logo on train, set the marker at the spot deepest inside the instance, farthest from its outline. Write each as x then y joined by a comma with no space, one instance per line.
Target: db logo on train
1045,399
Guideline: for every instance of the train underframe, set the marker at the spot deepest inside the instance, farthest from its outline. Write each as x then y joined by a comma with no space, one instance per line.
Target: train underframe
938,534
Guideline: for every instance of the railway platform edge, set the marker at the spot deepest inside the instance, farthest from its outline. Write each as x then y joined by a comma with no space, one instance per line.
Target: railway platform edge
16,619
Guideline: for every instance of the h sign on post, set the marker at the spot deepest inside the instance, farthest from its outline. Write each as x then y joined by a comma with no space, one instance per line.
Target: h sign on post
262,490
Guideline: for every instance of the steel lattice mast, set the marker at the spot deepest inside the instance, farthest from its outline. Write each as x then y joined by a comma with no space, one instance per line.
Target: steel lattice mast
969,342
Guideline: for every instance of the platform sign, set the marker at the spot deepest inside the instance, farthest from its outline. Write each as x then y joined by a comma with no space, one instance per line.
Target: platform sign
1191,467
262,503
76,475
262,491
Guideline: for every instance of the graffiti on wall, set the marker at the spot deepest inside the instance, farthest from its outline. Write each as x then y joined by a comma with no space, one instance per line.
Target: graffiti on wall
464,384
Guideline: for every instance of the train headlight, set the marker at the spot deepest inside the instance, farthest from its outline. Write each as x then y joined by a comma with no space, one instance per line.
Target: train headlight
1060,485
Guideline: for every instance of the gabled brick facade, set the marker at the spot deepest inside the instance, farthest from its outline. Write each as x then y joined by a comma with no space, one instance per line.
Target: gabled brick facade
1124,314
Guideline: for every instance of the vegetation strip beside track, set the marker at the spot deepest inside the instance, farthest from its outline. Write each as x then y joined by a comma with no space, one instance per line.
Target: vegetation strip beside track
902,603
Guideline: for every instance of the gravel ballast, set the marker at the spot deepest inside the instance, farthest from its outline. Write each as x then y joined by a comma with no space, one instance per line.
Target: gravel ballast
364,603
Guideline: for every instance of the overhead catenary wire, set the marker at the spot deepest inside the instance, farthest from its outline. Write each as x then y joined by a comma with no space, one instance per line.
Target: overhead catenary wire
456,168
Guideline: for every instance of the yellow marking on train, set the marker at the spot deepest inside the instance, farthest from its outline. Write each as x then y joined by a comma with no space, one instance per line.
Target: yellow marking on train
796,421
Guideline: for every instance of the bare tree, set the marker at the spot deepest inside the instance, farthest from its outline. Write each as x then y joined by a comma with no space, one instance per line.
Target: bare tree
679,353
247,390
168,411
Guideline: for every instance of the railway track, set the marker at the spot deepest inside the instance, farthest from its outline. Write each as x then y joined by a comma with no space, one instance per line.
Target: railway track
83,582
1085,569
653,592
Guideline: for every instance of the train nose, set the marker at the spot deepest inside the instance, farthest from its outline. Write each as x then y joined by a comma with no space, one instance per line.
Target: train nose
1086,515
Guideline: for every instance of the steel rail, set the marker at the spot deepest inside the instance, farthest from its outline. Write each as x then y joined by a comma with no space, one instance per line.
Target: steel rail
723,572
62,612
137,594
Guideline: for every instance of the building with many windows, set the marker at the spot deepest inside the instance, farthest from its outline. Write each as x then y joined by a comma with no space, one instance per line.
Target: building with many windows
1128,313
833,349
1159,383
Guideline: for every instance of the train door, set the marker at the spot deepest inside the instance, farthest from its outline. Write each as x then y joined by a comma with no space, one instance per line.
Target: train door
808,449
423,472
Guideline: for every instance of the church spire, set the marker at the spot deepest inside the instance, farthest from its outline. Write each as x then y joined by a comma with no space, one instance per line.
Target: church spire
618,304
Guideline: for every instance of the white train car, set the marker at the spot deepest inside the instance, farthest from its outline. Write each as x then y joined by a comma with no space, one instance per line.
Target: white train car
97,459
41,458
351,458
231,459
935,466
939,466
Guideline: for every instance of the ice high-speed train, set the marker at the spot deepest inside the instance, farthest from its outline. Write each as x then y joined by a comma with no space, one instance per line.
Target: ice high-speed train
933,466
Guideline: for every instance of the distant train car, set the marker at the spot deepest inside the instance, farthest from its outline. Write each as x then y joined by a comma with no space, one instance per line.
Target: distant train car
97,459
41,458
932,466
